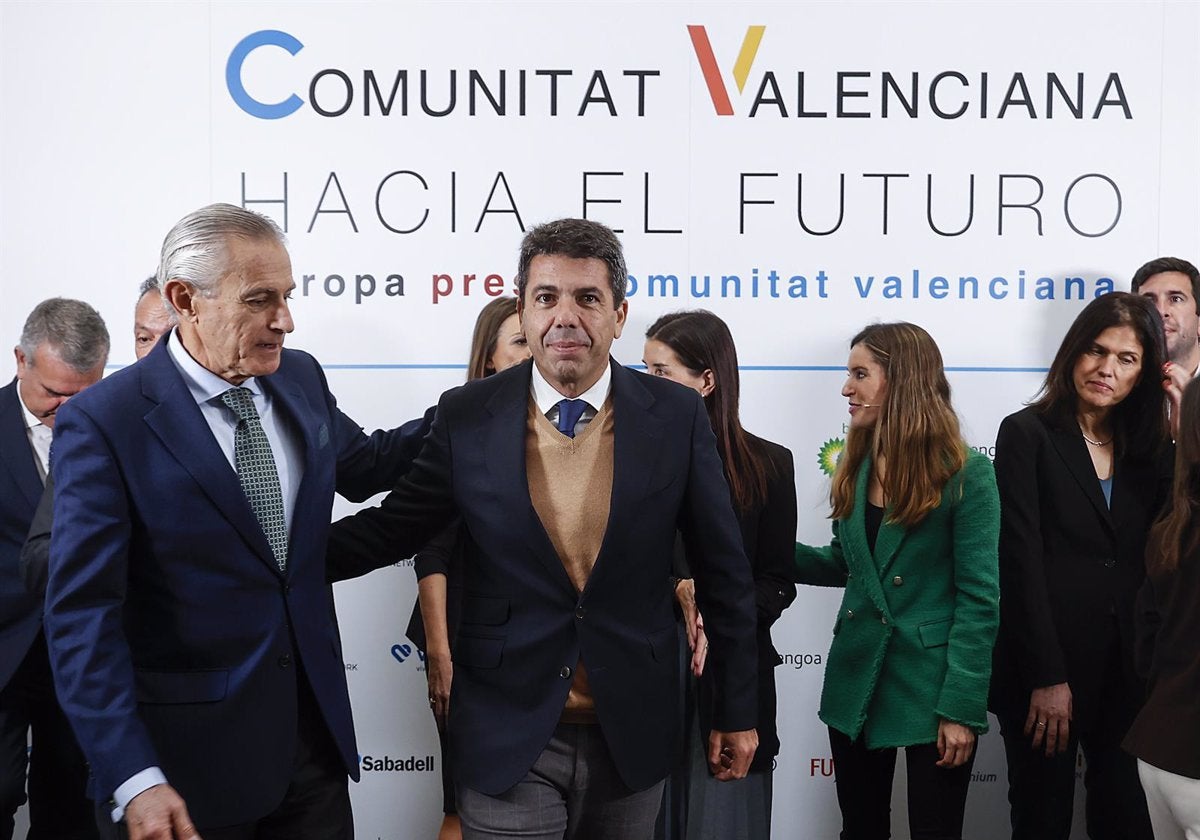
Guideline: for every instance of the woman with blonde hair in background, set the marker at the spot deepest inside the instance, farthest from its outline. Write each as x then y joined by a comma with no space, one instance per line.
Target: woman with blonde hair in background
916,520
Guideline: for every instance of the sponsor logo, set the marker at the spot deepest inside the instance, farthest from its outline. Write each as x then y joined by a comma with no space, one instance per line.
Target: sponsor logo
829,454
387,764
403,651
799,660
820,766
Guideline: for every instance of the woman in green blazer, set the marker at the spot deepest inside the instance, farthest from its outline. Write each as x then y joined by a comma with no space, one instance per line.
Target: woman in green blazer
916,521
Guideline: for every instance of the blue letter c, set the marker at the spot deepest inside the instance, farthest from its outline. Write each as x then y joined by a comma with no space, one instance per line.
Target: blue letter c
233,75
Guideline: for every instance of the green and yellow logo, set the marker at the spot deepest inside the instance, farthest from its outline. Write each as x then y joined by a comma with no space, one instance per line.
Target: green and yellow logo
829,455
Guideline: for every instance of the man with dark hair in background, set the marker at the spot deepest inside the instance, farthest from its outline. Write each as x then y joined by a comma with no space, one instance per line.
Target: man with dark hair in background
1173,284
64,346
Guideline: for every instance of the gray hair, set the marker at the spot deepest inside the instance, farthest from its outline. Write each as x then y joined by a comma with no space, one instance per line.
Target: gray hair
195,251
150,286
74,330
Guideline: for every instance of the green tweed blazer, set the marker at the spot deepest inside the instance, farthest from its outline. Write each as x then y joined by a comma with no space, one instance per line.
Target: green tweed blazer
913,638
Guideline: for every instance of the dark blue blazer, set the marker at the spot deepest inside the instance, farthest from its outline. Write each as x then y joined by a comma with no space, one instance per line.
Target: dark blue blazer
175,639
20,613
524,627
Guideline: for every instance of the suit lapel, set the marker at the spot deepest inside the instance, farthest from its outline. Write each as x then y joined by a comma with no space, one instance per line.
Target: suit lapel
637,441
1071,448
177,422
860,562
503,442
16,453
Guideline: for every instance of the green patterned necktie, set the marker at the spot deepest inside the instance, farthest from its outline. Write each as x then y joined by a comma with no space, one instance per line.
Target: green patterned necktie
256,469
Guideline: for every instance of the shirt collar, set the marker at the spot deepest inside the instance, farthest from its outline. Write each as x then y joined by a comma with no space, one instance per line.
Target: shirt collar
31,419
546,396
204,385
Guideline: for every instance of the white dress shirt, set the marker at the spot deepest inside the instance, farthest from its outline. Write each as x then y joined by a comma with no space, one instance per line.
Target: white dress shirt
547,397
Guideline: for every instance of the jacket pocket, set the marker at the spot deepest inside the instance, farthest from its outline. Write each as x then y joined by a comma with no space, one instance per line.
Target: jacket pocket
478,651
166,687
664,644
484,609
935,633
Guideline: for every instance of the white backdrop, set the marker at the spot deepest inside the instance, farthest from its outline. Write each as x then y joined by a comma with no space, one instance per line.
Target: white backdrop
845,162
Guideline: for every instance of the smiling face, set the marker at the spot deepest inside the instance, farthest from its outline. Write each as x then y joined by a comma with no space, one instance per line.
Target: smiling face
1171,293
568,317
1107,371
238,332
45,381
511,346
661,360
865,388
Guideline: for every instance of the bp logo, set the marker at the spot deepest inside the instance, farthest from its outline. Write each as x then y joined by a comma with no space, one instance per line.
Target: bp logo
829,455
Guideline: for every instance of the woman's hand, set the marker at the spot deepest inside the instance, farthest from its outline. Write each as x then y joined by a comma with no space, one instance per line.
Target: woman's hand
1175,379
693,622
1049,718
439,671
955,743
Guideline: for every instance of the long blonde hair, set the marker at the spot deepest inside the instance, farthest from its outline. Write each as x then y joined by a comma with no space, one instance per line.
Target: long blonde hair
917,431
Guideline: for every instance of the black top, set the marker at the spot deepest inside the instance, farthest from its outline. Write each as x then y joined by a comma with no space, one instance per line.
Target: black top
872,519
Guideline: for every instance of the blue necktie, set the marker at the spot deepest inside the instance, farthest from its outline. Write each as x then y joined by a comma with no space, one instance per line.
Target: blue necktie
569,412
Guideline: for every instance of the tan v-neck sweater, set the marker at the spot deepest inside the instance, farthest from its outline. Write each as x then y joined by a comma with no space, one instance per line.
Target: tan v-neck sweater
570,486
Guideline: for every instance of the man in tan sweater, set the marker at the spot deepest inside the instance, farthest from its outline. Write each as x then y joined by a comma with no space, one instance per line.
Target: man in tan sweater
573,475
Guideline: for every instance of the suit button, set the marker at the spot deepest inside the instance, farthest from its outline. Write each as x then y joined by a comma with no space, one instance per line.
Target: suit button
883,619
898,581
1109,562
579,612
565,673
285,661
849,613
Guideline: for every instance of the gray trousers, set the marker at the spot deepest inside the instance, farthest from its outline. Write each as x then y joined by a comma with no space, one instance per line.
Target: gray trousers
572,792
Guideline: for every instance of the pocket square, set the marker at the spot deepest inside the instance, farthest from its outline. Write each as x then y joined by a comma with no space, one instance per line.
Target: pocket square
322,436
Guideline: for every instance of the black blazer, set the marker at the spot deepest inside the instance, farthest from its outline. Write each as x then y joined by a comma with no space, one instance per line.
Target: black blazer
769,537
1067,561
524,626
20,490
1167,730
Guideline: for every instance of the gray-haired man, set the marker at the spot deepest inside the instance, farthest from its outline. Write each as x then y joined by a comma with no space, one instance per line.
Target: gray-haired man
63,348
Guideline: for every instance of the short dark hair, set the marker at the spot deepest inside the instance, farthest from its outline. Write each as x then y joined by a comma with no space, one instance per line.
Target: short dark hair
1158,266
1139,421
579,239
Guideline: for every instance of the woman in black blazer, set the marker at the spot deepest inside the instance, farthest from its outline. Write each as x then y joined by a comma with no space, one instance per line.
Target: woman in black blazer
1082,474
1166,735
696,349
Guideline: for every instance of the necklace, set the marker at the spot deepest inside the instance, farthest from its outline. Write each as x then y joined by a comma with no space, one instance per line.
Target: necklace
1094,442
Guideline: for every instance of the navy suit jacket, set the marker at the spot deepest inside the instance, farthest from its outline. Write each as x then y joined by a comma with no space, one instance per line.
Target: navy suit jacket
524,627
175,639
20,489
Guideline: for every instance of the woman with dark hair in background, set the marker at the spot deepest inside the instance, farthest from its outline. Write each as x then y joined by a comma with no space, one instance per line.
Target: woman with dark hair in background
1165,737
1082,474
496,344
916,522
696,349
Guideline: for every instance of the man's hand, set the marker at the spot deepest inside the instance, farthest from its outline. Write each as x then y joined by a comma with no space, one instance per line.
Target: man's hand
1049,718
730,753
158,813
1175,379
